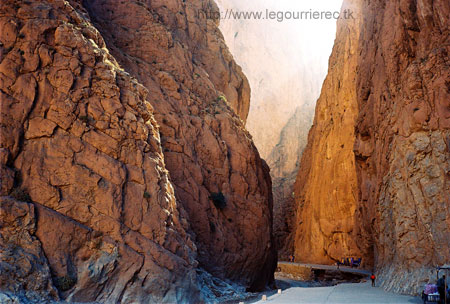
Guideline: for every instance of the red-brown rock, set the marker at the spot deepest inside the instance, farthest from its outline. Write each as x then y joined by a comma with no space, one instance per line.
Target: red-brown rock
80,139
376,170
206,147
326,186
80,135
402,141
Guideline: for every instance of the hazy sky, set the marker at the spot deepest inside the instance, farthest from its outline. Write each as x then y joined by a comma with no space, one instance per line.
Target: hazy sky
311,36
285,62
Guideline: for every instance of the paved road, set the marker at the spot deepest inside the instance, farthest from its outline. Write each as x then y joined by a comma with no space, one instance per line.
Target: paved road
349,293
331,267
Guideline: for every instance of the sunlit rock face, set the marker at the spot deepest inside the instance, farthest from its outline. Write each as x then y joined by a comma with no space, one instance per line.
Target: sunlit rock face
284,161
374,178
326,188
285,63
79,139
124,155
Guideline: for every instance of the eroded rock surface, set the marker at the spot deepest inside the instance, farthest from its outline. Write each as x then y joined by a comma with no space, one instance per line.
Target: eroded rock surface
387,95
80,135
80,140
402,142
25,275
207,150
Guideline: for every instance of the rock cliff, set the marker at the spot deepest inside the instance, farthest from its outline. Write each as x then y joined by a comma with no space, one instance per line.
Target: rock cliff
374,179
124,155
284,161
285,72
326,190
402,144
208,152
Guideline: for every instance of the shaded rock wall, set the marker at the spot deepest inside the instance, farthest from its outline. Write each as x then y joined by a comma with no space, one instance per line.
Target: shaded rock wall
206,147
392,82
402,142
25,274
80,138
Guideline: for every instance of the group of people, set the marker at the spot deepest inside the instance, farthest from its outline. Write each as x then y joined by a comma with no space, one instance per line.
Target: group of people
352,262
437,293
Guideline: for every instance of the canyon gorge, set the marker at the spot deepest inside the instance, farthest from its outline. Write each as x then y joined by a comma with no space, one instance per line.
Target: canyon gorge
133,148
285,63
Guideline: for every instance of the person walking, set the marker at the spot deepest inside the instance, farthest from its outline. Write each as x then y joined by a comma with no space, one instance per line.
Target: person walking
372,277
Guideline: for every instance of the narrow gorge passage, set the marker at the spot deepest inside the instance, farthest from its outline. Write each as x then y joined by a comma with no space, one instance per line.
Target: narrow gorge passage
285,60
372,183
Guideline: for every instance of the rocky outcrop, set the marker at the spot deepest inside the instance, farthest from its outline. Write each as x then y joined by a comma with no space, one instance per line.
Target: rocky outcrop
25,275
326,187
89,147
79,135
218,175
402,142
387,93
